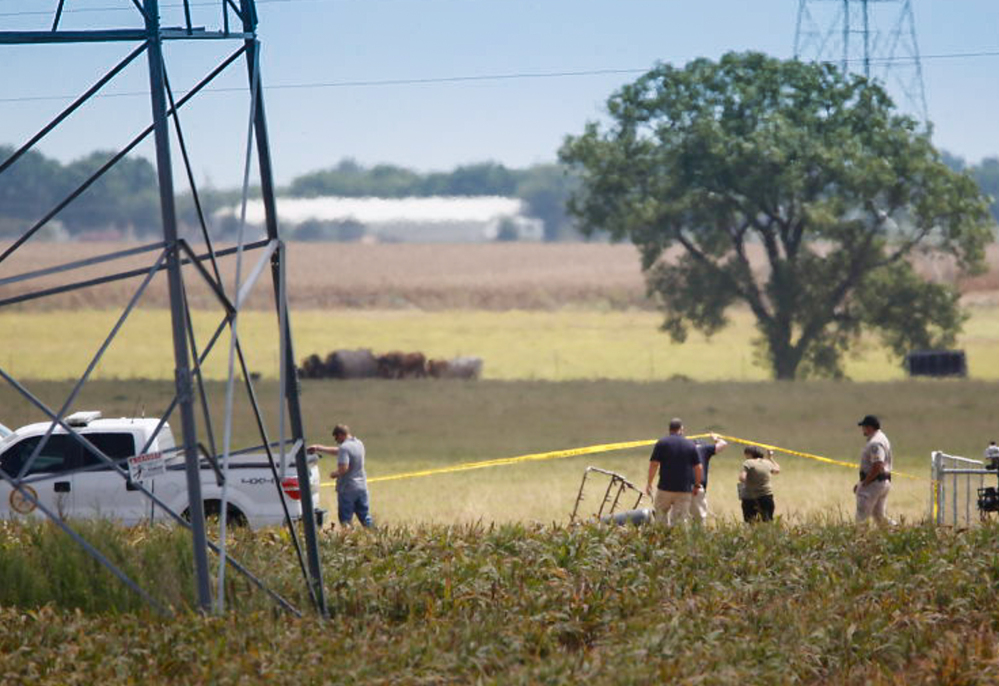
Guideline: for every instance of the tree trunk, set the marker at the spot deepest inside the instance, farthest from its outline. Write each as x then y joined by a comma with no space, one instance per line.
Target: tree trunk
784,357
786,366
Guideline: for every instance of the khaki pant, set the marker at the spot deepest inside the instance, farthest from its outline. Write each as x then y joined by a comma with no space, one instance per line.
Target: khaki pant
699,506
871,500
672,506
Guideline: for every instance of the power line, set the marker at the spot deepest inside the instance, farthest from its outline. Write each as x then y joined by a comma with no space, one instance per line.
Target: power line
516,76
938,56
361,84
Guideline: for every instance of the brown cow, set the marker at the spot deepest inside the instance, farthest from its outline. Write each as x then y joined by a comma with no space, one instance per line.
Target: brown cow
389,365
312,368
400,365
414,365
438,368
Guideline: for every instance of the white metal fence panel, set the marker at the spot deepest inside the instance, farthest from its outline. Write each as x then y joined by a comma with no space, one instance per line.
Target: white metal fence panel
954,489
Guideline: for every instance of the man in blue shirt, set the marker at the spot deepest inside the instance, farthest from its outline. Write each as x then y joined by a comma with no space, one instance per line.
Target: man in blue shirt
705,451
680,474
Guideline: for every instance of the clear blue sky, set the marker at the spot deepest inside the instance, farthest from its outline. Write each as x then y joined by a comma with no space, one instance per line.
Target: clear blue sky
516,121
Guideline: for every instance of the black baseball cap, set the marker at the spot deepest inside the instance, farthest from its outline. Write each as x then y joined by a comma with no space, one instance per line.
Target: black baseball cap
870,420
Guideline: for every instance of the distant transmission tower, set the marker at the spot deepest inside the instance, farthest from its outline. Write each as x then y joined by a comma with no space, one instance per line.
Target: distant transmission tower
874,37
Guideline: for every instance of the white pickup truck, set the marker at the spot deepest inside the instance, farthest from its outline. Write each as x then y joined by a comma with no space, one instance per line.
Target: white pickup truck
72,482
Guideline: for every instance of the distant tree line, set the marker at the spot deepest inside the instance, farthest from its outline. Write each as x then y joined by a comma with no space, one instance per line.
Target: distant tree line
985,174
125,200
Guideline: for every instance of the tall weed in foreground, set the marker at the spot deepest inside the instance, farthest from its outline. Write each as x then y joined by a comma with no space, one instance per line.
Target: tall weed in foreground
808,601
40,565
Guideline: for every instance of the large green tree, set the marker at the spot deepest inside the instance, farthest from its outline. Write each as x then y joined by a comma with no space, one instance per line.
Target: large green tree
705,166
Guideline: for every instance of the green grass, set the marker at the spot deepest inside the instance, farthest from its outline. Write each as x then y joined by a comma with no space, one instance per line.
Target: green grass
816,602
515,345
409,425
475,577
40,565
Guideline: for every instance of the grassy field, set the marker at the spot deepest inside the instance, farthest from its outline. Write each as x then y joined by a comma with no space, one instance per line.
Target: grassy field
474,577
514,604
515,345
552,312
424,424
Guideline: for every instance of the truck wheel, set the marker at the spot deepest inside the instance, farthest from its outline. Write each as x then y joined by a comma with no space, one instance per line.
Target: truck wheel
235,516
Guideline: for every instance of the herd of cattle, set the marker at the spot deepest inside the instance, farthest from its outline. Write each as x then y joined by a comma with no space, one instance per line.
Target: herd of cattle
362,363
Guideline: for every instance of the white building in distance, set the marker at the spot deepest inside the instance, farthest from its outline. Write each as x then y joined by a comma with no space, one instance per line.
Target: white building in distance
436,219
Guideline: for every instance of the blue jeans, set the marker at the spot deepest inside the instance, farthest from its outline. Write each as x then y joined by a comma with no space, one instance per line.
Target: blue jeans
350,503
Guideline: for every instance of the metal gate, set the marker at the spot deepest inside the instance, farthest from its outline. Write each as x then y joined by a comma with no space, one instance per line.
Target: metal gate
955,489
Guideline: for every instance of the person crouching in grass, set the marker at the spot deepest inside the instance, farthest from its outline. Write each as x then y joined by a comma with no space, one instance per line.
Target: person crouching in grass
756,493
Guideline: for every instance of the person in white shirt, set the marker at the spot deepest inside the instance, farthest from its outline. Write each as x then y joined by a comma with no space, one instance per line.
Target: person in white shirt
875,473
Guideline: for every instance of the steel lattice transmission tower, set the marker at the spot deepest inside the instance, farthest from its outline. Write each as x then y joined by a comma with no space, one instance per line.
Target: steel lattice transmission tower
146,27
874,37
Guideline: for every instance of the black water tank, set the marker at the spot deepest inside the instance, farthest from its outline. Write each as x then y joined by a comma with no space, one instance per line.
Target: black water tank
936,363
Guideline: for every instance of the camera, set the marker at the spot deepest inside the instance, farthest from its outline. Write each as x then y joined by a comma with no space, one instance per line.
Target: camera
988,499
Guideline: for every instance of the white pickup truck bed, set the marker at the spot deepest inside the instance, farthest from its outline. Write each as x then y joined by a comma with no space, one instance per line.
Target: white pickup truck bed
69,480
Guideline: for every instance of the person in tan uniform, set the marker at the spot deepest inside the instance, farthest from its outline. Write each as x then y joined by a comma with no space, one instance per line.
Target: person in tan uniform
756,494
875,473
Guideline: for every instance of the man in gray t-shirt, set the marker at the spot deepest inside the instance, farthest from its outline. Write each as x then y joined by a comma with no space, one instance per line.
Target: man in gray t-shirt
351,481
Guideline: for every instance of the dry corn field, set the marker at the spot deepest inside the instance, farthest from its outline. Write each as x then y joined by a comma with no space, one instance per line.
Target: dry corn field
819,603
404,276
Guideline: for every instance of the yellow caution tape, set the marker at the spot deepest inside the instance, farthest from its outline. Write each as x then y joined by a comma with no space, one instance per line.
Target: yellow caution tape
592,449
810,456
504,461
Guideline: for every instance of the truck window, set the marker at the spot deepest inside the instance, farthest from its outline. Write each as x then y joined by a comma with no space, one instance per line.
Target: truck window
117,446
57,455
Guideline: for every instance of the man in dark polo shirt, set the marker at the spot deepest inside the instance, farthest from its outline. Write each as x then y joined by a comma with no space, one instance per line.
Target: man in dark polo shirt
680,474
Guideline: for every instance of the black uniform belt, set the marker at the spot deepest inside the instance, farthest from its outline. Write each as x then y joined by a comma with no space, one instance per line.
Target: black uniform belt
880,477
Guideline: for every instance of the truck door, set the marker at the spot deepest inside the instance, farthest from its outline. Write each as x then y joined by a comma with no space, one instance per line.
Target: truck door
45,477
102,491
